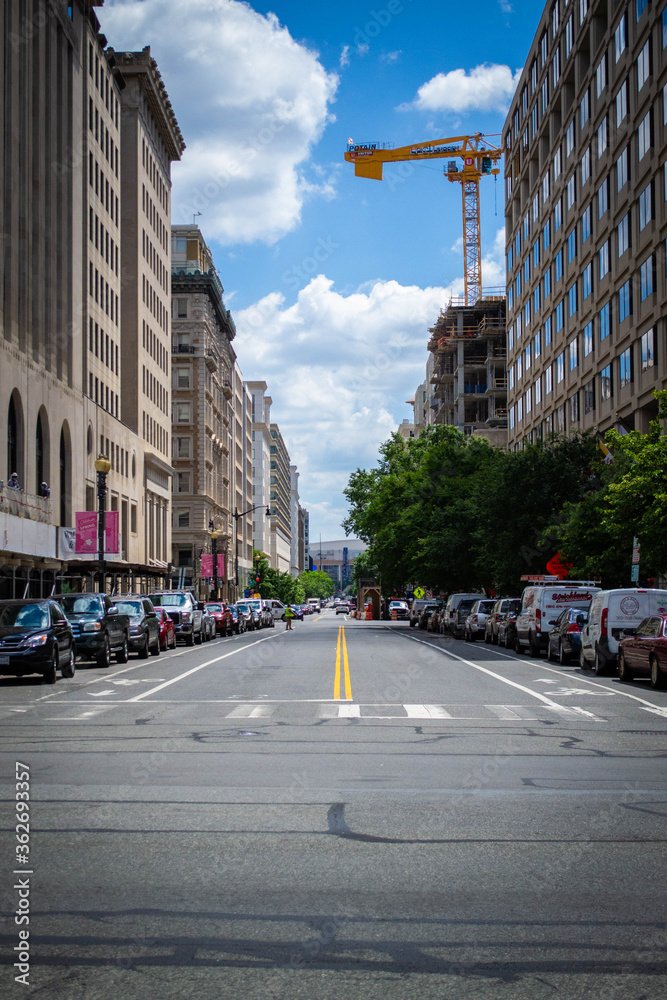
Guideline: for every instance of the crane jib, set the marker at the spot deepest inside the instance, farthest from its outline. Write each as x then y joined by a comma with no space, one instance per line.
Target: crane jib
437,150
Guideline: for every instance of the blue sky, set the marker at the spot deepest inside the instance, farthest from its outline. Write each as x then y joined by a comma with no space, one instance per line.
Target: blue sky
333,280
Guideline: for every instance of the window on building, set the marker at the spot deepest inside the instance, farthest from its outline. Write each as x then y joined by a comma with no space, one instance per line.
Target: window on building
569,35
558,163
572,300
560,367
182,413
583,10
621,104
623,234
544,49
537,391
606,383
559,316
547,331
589,397
512,418
537,344
548,379
526,357
183,519
569,139
625,368
603,257
619,39
536,207
588,339
546,234
584,109
555,65
643,66
603,198
529,400
573,406
601,76
545,188
558,215
602,136
526,271
622,170
526,314
646,278
573,353
664,28
587,281
181,378
182,482
641,6
624,301
181,308
536,254
544,95
571,192
586,224
536,300
644,136
511,376
519,368
571,245
645,207
648,349
558,265
182,446
605,321
547,283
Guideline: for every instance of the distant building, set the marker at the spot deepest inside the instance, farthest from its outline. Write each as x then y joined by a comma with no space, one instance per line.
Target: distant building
337,559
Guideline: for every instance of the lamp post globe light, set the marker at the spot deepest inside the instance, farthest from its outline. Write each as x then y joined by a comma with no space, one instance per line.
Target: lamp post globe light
102,466
237,515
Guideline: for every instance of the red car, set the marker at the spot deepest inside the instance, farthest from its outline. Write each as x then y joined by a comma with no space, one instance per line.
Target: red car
224,621
644,652
167,629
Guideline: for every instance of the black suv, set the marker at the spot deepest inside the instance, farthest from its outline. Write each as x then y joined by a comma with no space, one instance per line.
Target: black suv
98,629
144,624
185,611
35,638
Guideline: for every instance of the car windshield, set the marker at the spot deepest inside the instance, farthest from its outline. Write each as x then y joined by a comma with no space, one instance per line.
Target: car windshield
78,605
254,604
214,607
243,607
486,606
169,600
131,608
465,605
25,616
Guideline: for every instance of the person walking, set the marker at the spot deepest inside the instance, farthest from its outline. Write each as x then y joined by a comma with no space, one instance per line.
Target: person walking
289,615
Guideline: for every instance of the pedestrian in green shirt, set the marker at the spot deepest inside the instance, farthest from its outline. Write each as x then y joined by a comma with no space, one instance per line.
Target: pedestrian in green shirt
289,614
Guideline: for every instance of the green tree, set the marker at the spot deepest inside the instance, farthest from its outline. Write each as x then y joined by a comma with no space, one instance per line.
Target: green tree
316,583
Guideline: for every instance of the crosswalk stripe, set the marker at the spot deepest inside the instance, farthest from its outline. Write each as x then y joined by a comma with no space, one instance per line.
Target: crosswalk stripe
250,712
426,712
503,712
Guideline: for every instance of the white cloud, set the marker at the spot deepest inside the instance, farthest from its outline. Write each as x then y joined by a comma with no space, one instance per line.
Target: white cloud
251,103
339,368
485,88
345,56
391,57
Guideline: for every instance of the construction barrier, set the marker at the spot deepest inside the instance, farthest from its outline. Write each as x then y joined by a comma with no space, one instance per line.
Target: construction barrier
369,612
394,615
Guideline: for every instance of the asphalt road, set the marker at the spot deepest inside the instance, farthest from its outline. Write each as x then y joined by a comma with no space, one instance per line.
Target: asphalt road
351,810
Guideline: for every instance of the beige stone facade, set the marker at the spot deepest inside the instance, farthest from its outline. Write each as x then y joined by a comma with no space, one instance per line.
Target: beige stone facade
586,221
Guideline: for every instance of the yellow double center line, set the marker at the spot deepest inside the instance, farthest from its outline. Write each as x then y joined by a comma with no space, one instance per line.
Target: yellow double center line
346,667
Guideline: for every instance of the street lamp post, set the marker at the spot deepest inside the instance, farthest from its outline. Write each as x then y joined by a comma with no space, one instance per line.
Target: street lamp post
102,466
237,515
214,550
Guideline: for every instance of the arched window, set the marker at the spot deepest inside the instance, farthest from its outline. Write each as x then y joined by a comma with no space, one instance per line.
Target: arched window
15,437
65,476
42,451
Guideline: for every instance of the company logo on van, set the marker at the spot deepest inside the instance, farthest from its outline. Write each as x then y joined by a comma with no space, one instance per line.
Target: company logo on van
630,606
564,597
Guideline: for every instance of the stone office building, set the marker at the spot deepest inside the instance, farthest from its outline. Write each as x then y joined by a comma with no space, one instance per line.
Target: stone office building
586,221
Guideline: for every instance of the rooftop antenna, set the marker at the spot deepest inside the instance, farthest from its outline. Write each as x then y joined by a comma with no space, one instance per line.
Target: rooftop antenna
194,217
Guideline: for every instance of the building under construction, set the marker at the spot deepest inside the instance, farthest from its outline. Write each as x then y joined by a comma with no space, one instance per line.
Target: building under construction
469,381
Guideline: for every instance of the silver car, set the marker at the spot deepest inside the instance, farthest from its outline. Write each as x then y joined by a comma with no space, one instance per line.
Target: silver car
475,625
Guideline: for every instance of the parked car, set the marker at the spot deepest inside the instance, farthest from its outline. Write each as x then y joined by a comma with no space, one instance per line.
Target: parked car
99,630
564,641
425,615
457,610
238,619
266,619
185,612
400,608
36,638
475,623
252,616
273,609
540,602
416,609
222,616
644,653
144,625
610,613
167,629
507,626
500,609
433,624
209,623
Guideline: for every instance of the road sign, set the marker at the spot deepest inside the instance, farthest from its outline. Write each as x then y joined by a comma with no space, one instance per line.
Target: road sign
419,593
634,573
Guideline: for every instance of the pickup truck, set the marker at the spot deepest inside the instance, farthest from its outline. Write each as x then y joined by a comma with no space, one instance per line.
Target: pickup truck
185,611
98,629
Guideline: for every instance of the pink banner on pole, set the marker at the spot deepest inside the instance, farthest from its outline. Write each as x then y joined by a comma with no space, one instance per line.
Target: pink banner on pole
111,530
207,566
86,532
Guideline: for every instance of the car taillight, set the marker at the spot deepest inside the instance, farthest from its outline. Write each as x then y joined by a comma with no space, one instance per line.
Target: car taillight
603,621
573,627
538,619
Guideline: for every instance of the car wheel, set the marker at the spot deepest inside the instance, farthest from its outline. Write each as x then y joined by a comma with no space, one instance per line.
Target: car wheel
199,638
583,662
173,642
155,649
50,674
104,658
549,656
657,678
517,646
624,672
487,637
599,665
122,654
494,639
70,667
563,657
143,651
535,649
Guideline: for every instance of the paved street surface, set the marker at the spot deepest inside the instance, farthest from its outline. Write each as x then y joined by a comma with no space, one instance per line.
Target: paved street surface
350,810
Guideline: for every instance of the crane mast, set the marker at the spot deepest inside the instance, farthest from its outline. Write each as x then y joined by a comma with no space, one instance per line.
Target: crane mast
479,158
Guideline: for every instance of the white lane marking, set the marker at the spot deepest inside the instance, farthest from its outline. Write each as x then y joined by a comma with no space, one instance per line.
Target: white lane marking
193,670
656,711
348,711
100,694
588,715
491,673
250,712
562,692
81,716
503,712
581,680
426,712
544,680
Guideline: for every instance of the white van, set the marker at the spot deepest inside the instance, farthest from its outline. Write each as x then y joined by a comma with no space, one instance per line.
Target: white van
314,602
541,603
611,612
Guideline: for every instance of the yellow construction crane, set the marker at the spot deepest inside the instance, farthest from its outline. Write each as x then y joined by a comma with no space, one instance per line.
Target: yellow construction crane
479,157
